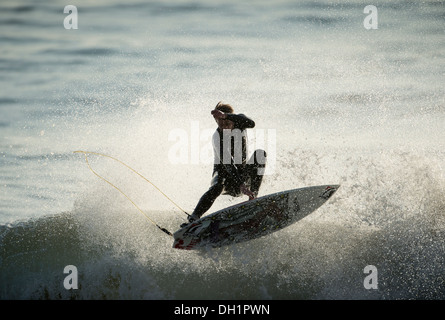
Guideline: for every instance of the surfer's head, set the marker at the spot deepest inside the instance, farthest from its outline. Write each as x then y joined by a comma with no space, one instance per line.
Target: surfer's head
224,107
224,123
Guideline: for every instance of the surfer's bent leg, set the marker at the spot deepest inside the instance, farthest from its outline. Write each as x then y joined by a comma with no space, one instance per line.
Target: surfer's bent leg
255,169
210,196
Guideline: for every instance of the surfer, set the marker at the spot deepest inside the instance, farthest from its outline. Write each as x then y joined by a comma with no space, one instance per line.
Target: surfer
232,174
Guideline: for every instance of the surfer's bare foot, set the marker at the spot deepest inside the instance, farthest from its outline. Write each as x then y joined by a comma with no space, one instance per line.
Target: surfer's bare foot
247,192
253,196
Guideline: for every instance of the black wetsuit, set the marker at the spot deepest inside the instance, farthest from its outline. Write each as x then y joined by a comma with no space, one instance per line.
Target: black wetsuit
231,170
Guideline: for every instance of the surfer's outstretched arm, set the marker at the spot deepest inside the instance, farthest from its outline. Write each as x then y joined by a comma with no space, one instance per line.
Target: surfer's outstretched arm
240,121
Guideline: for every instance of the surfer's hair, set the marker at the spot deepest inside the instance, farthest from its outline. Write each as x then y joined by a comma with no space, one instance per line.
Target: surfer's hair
223,107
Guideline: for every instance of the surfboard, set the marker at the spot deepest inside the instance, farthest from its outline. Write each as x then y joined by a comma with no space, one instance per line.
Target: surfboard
252,219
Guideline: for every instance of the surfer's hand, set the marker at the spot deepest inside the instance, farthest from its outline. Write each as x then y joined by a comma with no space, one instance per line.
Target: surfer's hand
247,192
217,114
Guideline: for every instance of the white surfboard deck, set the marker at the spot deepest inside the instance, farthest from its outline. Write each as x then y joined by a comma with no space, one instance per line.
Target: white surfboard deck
252,219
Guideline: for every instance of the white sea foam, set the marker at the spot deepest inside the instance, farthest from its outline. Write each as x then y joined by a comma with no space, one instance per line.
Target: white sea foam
350,106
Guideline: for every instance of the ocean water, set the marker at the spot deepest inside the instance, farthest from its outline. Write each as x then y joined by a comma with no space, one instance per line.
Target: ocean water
333,102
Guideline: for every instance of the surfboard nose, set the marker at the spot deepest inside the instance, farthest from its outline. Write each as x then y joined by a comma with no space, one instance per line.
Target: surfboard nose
329,191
